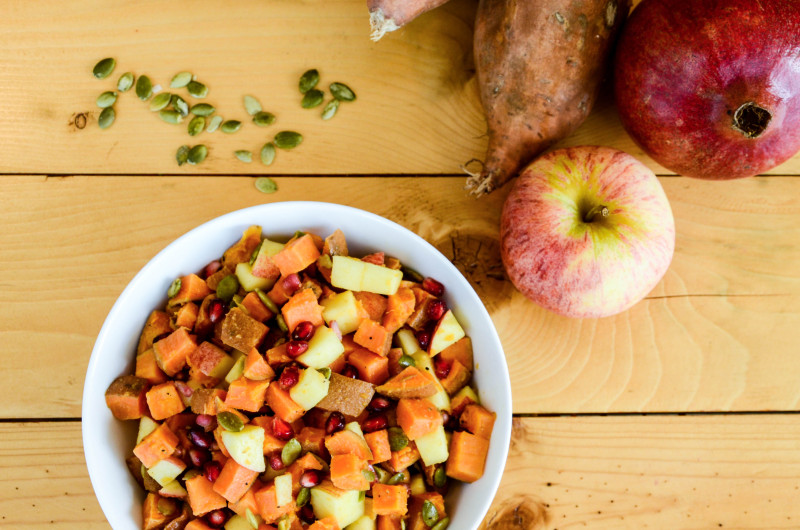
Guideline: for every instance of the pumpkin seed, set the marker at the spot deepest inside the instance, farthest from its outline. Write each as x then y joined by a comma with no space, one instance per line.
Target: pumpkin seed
213,123
104,68
254,254
196,125
267,301
406,360
397,478
439,477
107,117
441,525
230,126
144,87
125,82
166,506
330,109
312,98
197,154
397,439
288,139
251,105
308,80
302,497
342,92
244,155
325,371
180,80
430,515
170,116
382,474
291,451
361,496
197,90
230,421
263,119
174,287
106,99
182,155
180,104
267,156
284,523
251,518
202,109
160,102
411,274
368,475
279,318
227,287
267,185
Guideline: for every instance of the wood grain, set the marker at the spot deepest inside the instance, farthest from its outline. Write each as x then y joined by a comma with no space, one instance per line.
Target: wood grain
417,109
718,333
696,472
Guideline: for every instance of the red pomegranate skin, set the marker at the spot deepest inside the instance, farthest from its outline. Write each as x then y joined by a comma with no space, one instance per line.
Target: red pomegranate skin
684,68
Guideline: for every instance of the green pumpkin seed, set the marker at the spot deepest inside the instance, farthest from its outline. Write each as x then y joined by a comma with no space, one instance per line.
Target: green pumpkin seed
291,451
302,497
107,117
441,525
230,126
227,287
325,371
266,185
264,119
197,90
397,478
251,105
174,287
144,88
397,439
254,254
196,125
342,92
284,523
180,80
197,154
439,477
244,155
330,109
170,116
166,506
312,98
180,104
230,421
125,82
214,123
382,474
267,301
106,99
267,155
406,360
278,318
288,139
368,475
430,515
182,155
308,80
104,68
251,518
411,274
361,496
202,109
160,102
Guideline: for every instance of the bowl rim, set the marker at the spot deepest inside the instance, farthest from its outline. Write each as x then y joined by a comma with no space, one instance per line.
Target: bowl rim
501,436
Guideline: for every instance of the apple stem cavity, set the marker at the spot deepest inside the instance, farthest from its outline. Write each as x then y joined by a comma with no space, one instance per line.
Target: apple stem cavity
751,120
598,209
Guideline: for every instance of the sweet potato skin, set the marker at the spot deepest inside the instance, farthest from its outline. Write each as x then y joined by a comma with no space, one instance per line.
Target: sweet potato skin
539,65
389,15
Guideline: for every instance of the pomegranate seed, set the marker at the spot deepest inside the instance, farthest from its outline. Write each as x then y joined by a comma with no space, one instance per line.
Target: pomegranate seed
216,310
303,331
374,423
289,377
433,287
291,283
282,430
437,309
310,478
211,268
350,371
204,420
199,457
306,513
296,348
441,367
424,338
184,389
212,470
200,438
379,403
276,462
335,423
216,518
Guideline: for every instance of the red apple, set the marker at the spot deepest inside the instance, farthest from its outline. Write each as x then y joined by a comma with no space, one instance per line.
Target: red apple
586,231
711,88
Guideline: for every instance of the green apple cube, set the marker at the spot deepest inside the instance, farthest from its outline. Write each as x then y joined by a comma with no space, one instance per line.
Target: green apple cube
246,447
368,512
356,275
408,342
283,489
173,489
468,392
237,522
323,348
263,266
344,309
223,367
362,523
310,389
424,363
250,282
146,426
167,470
448,331
433,447
416,485
353,426
236,370
346,506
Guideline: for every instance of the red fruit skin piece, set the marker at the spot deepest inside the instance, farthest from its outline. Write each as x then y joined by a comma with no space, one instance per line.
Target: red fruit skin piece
683,69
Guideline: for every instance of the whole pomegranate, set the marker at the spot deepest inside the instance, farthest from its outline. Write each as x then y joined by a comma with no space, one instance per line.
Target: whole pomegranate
711,88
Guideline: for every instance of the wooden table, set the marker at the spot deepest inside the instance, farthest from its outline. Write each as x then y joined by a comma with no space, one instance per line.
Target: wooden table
679,413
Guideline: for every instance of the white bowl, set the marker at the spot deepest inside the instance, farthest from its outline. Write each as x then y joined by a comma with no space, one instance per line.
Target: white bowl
107,441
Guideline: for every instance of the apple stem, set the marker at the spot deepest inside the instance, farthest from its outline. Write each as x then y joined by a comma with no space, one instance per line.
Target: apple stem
596,210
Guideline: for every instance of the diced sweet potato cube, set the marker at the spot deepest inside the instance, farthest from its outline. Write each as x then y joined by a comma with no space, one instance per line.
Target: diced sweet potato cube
375,304
147,367
204,400
335,244
417,417
410,383
300,307
245,394
300,466
460,351
388,522
460,401
477,420
346,471
241,331
328,523
186,316
202,497
389,500
404,458
152,518
279,292
247,501
467,456
257,368
156,446
399,307
378,442
415,520
243,249
234,480
348,442
256,308
372,368
267,503
157,324
193,287
172,351
277,355
164,400
394,361
348,396
296,255
456,379
419,318
312,440
126,397
373,337
283,405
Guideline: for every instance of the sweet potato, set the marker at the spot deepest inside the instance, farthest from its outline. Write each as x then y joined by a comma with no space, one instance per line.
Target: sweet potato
415,504
156,446
302,306
164,400
335,244
202,497
348,442
267,502
243,249
539,66
372,368
171,351
410,383
389,500
312,440
399,307
257,368
193,287
247,501
389,15
478,421
378,442
245,394
388,522
152,518
346,471
456,379
147,367
467,456
242,331
403,459
156,324
373,337
126,397
328,523
271,443
283,405
234,480
296,255
197,524
373,303
417,417
256,308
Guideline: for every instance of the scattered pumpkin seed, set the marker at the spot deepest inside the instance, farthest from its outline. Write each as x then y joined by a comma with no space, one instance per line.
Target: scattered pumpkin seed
106,118
144,87
106,99
267,185
441,525
312,98
291,451
125,82
251,105
308,80
263,119
197,154
202,109
279,318
160,102
197,90
267,156
174,287
267,301
230,126
288,139
439,477
342,92
430,515
406,360
196,125
230,421
182,155
104,68
180,80
325,371
251,518
170,116
330,109
244,155
397,438
303,496
180,104
227,287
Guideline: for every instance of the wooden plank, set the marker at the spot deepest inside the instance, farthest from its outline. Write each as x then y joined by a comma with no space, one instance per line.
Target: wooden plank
694,472
417,109
719,333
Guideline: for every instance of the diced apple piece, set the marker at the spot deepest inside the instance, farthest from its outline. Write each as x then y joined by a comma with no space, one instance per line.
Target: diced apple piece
424,363
356,275
246,447
323,348
417,484
173,489
448,331
346,506
310,389
345,310
167,470
146,426
250,282
283,489
408,342
236,370
263,266
432,447
363,523
237,522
